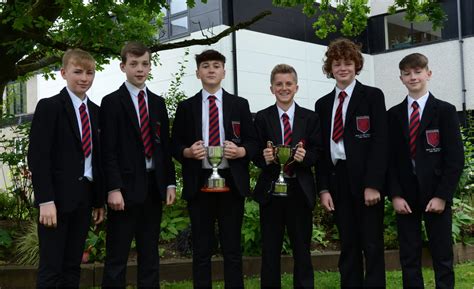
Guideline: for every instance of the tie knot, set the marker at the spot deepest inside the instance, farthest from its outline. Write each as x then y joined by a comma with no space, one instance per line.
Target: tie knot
415,105
141,94
284,116
82,107
342,95
212,97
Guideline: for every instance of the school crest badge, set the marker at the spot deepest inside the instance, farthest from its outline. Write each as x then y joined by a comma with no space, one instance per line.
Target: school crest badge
363,123
432,137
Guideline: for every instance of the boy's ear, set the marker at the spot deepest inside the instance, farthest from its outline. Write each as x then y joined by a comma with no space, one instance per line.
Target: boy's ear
197,74
122,66
63,72
271,89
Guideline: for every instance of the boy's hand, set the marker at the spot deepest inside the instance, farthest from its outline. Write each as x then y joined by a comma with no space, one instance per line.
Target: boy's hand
300,153
196,151
435,205
268,155
98,215
371,196
401,206
170,195
232,151
48,215
115,201
326,201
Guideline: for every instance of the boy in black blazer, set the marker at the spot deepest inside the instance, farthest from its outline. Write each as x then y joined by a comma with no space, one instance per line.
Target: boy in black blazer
63,158
286,123
138,168
426,164
214,117
351,173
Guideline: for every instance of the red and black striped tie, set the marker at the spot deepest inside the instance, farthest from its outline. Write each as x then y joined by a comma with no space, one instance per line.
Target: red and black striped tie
338,129
86,131
214,133
287,129
414,127
145,125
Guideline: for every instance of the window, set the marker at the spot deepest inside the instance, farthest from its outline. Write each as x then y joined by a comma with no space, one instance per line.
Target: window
176,20
400,33
15,101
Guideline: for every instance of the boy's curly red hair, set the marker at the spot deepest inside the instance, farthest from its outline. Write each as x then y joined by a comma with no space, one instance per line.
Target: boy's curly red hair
342,49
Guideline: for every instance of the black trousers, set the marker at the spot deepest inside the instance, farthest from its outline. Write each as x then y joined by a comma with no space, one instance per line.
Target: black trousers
142,222
361,235
438,229
61,248
294,214
227,209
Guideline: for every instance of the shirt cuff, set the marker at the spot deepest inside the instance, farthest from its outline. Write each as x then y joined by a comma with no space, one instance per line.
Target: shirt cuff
171,187
46,203
323,191
112,191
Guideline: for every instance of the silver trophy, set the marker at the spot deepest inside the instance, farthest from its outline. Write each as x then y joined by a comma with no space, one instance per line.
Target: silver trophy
215,183
282,154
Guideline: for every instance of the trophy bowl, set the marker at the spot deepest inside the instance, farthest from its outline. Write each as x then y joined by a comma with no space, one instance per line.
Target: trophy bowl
215,183
282,154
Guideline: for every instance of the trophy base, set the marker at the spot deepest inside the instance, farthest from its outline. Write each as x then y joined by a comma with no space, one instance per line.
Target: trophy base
215,190
215,185
280,190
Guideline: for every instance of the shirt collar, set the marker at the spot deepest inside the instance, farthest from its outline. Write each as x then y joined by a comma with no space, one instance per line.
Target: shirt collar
349,89
421,101
76,101
290,112
133,89
218,95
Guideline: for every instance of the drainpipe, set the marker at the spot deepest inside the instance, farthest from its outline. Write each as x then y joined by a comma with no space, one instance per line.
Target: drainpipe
461,58
234,47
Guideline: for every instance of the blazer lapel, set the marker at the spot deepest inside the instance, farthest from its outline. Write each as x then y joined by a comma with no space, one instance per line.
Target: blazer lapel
298,126
276,127
354,101
428,113
197,114
403,117
127,102
93,119
227,111
70,113
153,114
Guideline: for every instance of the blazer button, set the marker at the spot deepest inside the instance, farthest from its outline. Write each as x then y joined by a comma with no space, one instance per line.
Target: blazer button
79,179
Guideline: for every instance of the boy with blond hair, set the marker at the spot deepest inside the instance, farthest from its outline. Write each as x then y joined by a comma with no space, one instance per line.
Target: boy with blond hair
63,158
286,123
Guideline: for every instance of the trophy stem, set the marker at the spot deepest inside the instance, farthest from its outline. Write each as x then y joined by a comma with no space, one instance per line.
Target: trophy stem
281,186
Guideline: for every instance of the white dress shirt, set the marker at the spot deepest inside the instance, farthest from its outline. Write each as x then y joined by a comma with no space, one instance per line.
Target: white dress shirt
205,125
134,91
337,149
291,116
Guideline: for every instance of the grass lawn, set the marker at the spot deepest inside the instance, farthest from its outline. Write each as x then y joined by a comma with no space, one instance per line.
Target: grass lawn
330,280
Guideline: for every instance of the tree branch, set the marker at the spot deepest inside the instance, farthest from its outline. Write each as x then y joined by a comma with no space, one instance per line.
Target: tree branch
44,62
210,40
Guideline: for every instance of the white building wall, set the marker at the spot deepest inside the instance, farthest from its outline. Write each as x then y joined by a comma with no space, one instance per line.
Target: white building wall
444,61
257,54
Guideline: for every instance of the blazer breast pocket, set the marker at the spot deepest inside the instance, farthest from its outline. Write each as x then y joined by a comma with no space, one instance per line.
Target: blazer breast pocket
362,127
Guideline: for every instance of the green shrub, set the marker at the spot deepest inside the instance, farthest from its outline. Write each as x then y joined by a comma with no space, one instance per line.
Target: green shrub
26,248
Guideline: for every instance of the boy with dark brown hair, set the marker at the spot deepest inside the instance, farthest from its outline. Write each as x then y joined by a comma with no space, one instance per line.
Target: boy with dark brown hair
426,164
214,117
351,173
139,172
